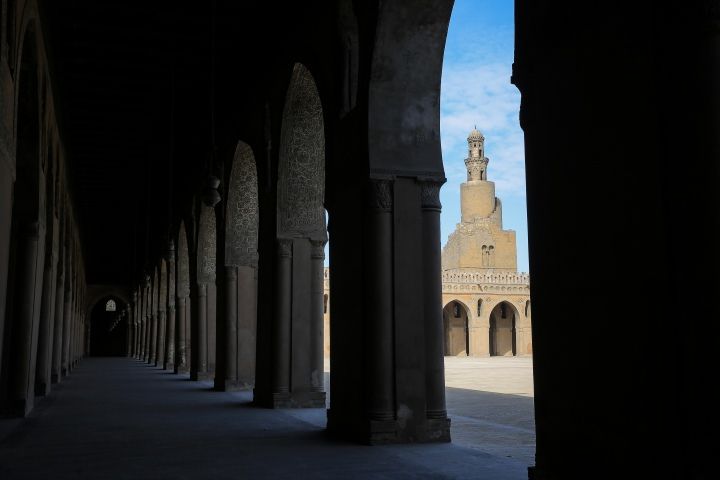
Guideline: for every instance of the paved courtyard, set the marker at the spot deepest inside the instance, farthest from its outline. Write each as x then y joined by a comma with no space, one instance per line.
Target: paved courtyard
490,402
116,418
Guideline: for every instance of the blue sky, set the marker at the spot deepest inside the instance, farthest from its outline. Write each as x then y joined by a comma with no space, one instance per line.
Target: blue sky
476,90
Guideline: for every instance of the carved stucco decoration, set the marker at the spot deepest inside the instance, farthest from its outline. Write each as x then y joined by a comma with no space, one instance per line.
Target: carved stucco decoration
380,195
206,245
183,265
475,165
162,301
301,176
171,274
242,210
154,291
430,194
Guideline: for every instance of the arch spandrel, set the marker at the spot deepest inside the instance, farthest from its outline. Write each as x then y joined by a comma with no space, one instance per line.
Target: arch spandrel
241,240
183,263
404,90
207,240
155,290
163,291
301,175
171,275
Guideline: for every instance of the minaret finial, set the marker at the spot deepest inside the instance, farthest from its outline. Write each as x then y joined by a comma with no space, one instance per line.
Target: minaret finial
476,162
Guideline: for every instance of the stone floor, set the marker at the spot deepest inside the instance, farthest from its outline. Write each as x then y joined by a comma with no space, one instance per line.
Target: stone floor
117,418
490,402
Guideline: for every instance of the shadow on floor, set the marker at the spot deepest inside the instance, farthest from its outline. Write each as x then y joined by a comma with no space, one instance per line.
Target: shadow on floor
116,419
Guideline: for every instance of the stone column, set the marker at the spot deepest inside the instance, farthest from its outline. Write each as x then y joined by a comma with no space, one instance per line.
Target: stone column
180,336
141,340
154,320
246,325
317,316
56,374
47,320
161,324
128,320
169,363
146,320
152,324
26,316
432,300
7,169
380,301
68,317
160,338
74,343
133,321
397,337
228,372
198,368
139,327
281,350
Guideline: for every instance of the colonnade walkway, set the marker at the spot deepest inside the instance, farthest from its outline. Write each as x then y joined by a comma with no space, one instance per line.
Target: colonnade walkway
117,418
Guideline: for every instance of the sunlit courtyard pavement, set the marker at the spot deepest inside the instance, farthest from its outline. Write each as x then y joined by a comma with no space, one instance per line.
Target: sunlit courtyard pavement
490,403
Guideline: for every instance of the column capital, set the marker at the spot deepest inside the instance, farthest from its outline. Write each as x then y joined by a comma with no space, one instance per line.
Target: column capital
430,193
230,272
380,194
284,247
318,249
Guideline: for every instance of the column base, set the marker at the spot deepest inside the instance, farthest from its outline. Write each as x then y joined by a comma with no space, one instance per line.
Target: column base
384,432
181,369
228,385
42,389
290,399
55,377
201,376
169,366
16,408
535,474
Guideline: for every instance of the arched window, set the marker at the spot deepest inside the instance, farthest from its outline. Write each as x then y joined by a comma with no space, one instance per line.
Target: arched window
325,303
456,308
491,256
110,306
479,307
484,256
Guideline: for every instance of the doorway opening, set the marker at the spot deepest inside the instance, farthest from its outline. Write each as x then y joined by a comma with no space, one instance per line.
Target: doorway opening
108,329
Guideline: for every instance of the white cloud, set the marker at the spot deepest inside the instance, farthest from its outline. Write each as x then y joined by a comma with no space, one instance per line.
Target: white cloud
482,95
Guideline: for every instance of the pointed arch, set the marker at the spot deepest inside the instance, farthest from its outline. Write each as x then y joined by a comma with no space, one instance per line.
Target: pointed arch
504,319
301,235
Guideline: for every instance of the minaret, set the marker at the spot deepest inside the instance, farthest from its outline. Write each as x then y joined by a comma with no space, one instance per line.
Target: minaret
477,195
479,241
